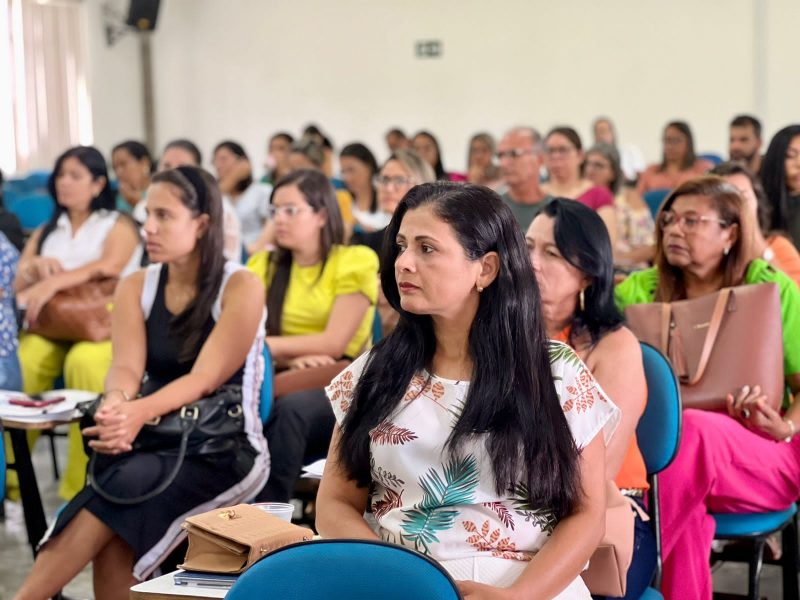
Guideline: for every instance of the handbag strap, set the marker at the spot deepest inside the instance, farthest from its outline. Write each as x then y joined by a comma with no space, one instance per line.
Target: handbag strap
666,320
188,421
713,331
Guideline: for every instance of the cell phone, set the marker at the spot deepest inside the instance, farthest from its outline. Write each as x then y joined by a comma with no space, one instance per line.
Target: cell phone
36,401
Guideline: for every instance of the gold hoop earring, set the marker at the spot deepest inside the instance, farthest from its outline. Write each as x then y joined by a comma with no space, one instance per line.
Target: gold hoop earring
582,301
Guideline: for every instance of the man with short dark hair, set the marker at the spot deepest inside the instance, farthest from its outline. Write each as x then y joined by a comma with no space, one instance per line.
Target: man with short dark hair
520,156
745,141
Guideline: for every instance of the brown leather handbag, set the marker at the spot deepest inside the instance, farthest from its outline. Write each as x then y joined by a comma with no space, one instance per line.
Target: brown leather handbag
229,540
718,343
607,573
80,313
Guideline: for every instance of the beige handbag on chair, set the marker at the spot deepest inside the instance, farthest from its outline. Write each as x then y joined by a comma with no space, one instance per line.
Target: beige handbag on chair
718,343
607,574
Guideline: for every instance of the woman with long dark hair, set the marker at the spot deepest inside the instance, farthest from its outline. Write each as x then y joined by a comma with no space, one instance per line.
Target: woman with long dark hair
771,245
573,263
85,239
472,437
427,146
278,157
133,166
679,163
249,198
183,328
359,168
320,304
780,174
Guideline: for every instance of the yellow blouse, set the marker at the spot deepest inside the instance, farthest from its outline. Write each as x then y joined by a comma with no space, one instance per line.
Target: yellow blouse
309,297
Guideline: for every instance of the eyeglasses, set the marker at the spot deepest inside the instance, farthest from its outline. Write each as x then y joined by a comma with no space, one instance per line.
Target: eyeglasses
558,150
513,153
688,223
398,181
290,211
596,164
673,141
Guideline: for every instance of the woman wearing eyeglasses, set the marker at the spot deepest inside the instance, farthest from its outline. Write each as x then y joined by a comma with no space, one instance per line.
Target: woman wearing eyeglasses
743,461
403,170
320,300
563,156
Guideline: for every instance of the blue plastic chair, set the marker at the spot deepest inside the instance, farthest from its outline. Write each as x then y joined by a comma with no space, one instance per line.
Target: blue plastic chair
344,569
711,157
265,400
659,436
654,199
32,210
377,328
36,181
757,527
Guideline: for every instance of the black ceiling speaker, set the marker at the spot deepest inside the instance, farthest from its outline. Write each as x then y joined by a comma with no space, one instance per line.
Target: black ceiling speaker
143,14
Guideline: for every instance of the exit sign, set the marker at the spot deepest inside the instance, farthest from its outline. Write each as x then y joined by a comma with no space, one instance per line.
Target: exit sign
428,49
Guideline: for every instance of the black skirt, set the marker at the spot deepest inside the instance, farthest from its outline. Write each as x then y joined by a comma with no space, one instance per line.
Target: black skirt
153,528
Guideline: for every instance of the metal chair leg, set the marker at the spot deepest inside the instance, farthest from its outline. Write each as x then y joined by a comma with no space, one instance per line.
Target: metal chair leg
754,574
791,587
52,436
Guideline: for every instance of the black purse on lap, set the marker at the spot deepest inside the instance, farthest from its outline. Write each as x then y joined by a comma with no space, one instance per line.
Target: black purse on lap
206,426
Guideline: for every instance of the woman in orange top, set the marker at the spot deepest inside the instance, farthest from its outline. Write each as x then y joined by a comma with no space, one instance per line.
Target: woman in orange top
678,163
773,246
571,254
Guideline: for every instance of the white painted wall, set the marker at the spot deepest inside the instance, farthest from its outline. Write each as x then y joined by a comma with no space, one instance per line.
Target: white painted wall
246,68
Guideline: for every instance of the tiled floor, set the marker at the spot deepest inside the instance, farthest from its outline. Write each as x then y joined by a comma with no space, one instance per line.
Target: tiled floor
15,555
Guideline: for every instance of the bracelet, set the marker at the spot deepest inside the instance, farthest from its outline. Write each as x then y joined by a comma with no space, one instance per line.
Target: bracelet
792,428
121,391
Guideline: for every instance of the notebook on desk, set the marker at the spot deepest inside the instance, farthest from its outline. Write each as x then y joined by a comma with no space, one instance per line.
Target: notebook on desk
211,580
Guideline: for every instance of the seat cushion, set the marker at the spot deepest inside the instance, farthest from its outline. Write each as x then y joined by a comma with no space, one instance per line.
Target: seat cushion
752,524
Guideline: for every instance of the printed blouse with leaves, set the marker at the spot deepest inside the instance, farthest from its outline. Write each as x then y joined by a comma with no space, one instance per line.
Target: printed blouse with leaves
446,506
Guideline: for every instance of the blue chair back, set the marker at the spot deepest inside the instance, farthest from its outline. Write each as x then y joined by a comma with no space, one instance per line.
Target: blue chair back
659,429
344,569
37,180
32,210
377,328
265,401
711,157
654,199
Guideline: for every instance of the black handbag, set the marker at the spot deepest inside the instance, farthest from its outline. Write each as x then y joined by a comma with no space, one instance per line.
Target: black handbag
206,426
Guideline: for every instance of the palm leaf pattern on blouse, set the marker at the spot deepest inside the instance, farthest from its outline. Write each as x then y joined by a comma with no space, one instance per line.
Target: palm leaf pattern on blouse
539,517
560,351
439,495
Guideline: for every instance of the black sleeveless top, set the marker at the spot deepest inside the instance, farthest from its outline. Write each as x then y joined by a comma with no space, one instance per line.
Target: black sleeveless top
162,365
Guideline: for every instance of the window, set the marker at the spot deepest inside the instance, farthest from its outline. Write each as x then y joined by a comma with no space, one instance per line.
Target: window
43,63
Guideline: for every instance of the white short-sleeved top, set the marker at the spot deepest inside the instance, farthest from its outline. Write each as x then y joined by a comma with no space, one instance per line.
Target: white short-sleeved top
252,208
75,250
445,506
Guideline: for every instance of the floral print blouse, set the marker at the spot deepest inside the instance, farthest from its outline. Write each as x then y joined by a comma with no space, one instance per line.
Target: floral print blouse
8,319
446,506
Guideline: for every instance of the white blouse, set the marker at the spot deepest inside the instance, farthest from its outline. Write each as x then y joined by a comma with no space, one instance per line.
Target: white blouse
77,249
